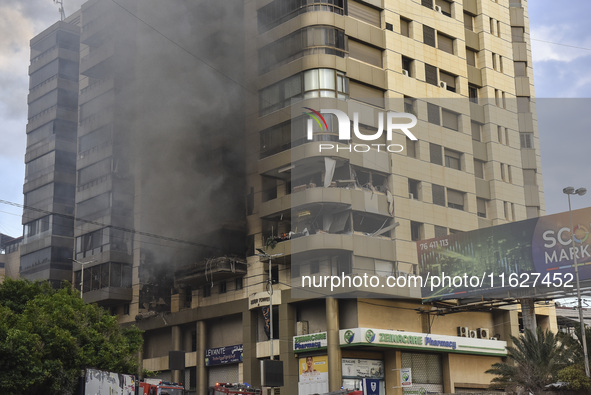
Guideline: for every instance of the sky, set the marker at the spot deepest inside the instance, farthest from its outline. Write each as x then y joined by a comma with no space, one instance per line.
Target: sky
562,80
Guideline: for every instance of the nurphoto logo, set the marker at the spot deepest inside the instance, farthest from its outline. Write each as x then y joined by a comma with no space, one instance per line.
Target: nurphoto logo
393,121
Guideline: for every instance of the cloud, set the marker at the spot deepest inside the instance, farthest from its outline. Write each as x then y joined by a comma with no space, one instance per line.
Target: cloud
561,34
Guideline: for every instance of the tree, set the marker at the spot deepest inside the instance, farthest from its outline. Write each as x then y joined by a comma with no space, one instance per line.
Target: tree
47,337
533,362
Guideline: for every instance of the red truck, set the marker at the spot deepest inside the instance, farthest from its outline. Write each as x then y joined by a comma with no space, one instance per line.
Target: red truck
159,387
233,389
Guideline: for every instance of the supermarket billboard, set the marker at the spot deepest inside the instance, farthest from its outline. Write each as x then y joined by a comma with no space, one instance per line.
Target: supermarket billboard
534,257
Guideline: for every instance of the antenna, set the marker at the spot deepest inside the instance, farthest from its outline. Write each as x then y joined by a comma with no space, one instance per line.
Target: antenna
61,9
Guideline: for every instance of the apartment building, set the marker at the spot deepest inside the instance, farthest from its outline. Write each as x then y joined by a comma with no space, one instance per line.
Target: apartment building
193,156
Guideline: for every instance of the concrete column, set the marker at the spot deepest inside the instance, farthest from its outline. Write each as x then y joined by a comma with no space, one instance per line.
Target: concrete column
448,384
177,341
528,314
392,366
201,329
251,367
140,363
286,334
335,370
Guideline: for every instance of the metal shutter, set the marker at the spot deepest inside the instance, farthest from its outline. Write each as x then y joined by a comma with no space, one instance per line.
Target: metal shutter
222,374
364,13
445,43
366,94
429,35
438,192
433,114
365,53
435,154
427,3
430,74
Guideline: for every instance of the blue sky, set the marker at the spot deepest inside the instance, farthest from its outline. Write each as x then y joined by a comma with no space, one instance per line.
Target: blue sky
560,72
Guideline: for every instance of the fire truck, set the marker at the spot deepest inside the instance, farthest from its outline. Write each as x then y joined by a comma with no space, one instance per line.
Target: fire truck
233,388
159,387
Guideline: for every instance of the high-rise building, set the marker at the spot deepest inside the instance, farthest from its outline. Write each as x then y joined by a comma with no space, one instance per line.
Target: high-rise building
199,192
50,176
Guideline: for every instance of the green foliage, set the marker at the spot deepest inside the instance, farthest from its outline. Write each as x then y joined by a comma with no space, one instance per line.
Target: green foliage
576,378
533,362
47,337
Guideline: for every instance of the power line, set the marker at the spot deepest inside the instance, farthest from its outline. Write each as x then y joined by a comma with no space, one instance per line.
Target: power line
563,45
133,231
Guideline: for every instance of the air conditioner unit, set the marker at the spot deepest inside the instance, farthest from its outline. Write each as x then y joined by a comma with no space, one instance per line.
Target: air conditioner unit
463,331
473,334
493,338
405,72
438,9
301,328
483,333
443,85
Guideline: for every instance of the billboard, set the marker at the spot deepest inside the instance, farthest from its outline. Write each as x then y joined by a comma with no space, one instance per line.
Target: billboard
518,259
313,375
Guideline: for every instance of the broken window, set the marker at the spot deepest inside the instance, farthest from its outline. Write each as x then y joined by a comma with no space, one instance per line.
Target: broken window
371,225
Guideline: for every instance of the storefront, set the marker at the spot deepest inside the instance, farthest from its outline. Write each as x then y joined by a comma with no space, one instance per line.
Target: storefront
413,363
223,364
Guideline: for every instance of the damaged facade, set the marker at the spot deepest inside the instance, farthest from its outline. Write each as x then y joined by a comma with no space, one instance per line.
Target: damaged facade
191,154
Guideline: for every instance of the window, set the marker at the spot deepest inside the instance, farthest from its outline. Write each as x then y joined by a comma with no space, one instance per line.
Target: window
309,84
440,231
407,65
410,105
523,104
365,53
306,41
416,231
94,206
455,199
429,35
239,283
94,173
481,207
473,93
445,43
529,177
507,141
468,21
520,69
445,7
476,130
500,63
366,94
478,169
517,34
431,74
363,13
389,26
492,26
405,27
411,148
453,159
413,189
92,243
280,11
435,154
526,140
449,79
450,119
471,57
494,61
498,28
438,194
427,3
223,287
35,227
504,172
433,114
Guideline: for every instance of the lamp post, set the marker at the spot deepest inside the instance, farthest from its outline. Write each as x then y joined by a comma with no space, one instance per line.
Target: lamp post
579,191
263,254
81,274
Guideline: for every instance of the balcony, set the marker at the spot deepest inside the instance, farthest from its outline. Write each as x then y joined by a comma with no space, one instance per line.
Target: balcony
215,269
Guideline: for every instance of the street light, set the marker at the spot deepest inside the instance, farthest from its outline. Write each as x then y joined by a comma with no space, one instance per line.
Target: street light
82,274
270,291
579,191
